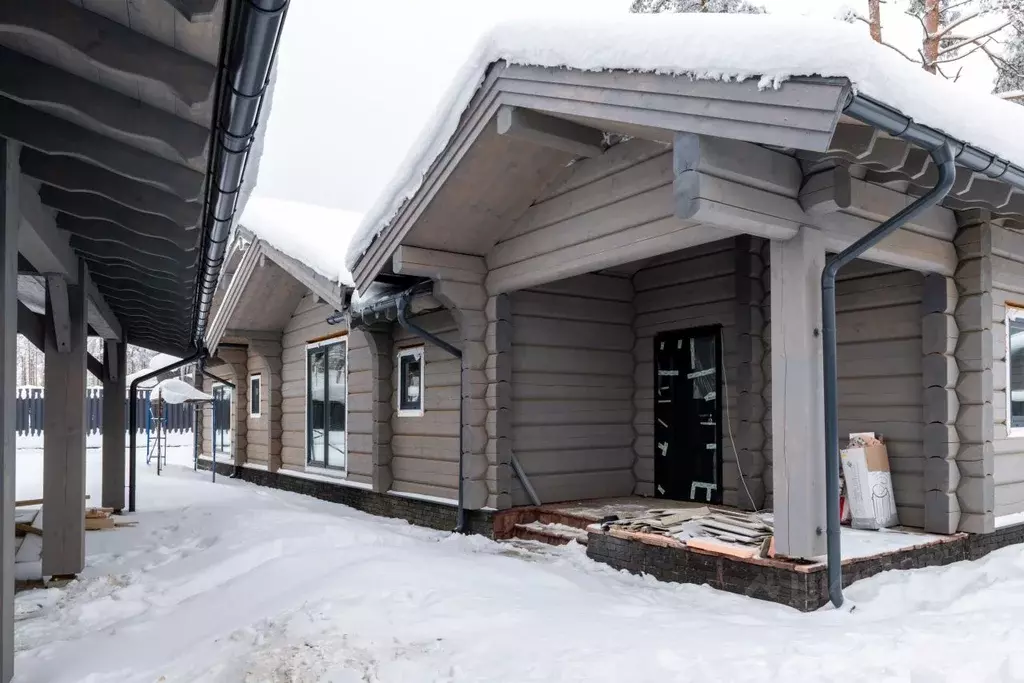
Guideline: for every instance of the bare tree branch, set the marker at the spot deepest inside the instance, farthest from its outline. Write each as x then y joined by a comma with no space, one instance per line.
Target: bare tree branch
956,58
1011,95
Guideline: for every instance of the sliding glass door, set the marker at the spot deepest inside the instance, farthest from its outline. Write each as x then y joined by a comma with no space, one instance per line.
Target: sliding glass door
326,398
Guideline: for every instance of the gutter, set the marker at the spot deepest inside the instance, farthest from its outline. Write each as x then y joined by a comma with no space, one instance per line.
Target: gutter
133,415
241,87
894,123
945,153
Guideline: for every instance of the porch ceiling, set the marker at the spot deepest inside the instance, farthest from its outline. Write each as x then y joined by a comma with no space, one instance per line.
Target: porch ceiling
112,102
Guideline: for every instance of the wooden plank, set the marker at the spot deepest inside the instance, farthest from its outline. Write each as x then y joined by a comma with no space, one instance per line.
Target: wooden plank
798,394
102,109
57,299
548,131
114,384
630,244
10,220
111,46
64,447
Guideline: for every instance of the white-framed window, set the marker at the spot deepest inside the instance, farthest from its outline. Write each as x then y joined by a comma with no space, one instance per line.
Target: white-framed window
327,403
1015,369
410,382
255,384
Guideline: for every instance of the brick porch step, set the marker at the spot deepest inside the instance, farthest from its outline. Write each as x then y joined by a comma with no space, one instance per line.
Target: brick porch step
550,533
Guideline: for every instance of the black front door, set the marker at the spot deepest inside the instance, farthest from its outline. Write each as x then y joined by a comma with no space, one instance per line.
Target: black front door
687,415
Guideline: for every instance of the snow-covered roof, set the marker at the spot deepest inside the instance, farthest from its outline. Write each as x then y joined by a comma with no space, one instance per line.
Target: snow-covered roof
706,46
174,390
317,236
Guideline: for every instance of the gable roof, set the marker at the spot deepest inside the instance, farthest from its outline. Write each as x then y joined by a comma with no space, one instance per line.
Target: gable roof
316,236
705,47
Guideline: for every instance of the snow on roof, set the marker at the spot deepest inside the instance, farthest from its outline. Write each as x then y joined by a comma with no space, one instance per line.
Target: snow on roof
707,46
174,390
317,236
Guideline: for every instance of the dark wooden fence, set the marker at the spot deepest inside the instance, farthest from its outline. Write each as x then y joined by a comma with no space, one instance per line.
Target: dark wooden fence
30,407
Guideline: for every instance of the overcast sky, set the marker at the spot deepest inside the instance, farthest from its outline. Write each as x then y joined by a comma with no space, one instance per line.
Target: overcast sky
357,80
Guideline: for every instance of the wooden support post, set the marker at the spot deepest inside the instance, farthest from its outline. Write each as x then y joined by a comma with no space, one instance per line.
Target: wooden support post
798,422
64,440
10,217
113,424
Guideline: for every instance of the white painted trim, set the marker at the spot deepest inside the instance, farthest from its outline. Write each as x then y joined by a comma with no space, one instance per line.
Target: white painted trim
335,472
1012,313
417,351
258,376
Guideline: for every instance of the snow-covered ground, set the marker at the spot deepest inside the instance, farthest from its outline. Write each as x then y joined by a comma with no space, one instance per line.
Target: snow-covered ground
230,582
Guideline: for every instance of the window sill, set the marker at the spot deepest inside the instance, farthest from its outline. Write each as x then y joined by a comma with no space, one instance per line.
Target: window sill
410,413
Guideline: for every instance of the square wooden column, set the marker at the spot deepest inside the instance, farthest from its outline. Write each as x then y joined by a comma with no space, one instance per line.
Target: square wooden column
10,218
64,428
114,385
798,412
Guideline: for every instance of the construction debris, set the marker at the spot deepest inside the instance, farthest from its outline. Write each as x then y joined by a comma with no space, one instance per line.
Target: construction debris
722,530
22,529
33,501
97,519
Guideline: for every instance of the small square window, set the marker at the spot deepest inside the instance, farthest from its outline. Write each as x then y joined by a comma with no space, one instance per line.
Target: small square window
1015,368
410,382
254,395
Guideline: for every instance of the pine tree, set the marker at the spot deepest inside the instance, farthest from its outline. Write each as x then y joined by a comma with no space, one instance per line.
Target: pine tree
708,6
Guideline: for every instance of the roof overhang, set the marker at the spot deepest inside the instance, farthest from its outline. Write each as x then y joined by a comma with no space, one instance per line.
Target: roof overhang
819,120
802,113
113,109
264,289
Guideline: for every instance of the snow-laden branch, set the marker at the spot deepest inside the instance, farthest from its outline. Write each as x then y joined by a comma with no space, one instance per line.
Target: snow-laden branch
972,39
959,22
1011,95
958,57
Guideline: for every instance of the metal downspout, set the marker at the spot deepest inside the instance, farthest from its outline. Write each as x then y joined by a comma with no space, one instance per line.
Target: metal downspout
942,155
133,416
403,301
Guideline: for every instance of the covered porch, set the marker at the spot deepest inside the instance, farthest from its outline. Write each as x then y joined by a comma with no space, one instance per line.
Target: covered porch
128,138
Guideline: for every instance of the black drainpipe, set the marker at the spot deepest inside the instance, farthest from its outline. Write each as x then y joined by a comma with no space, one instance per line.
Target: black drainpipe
943,158
241,86
409,326
133,415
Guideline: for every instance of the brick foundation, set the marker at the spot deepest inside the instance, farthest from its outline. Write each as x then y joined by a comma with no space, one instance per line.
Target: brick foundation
802,587
420,512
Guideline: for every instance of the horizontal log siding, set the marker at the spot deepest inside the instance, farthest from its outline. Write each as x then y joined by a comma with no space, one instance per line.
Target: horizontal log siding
881,389
359,425
425,449
572,387
1008,460
691,288
608,210
308,323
